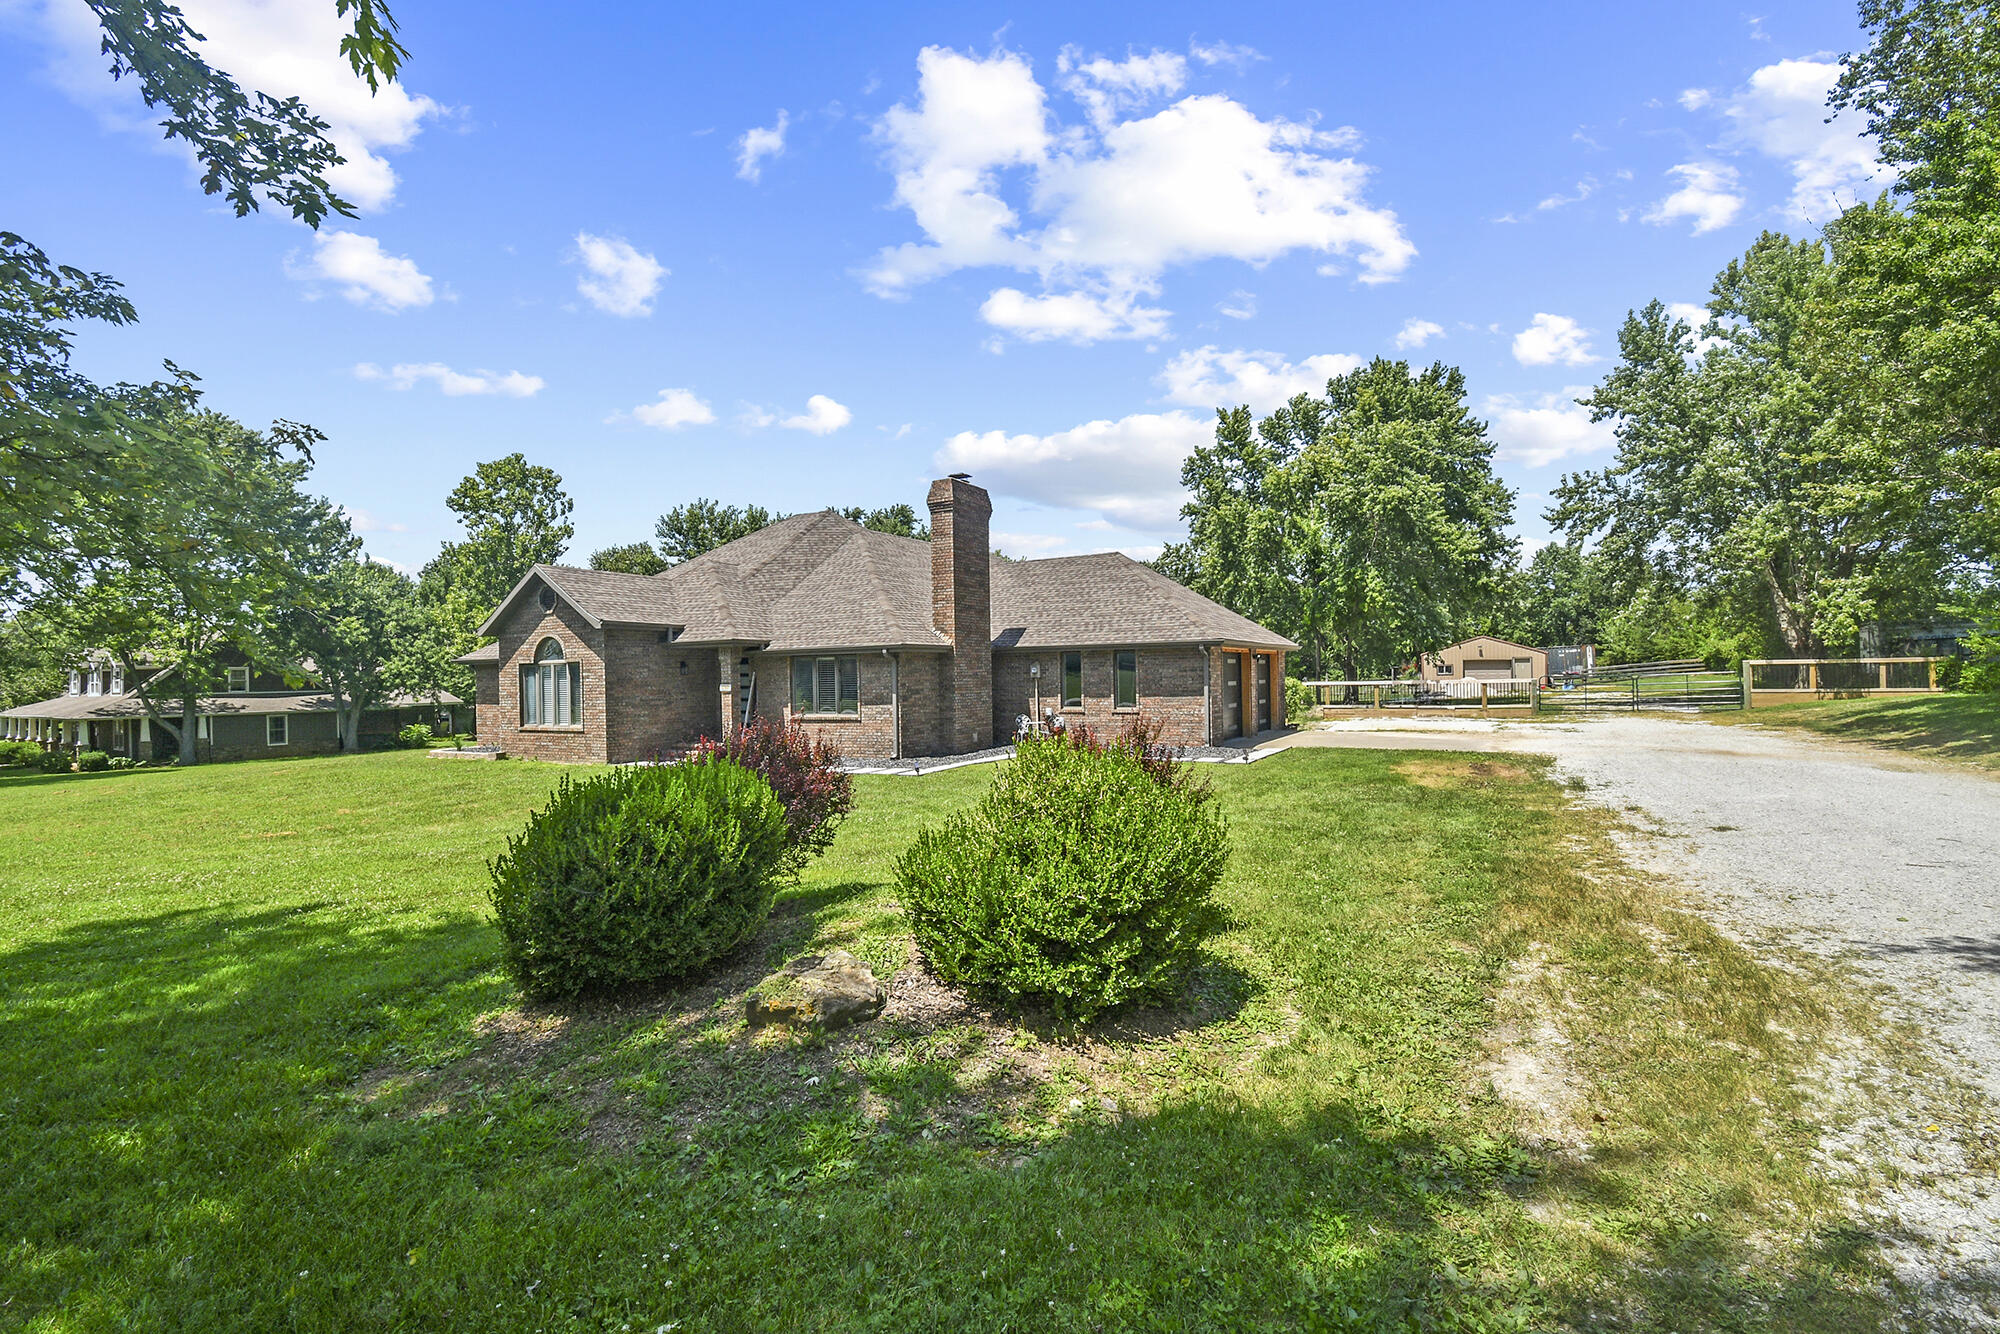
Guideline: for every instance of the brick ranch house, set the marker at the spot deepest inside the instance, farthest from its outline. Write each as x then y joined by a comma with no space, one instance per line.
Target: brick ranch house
885,646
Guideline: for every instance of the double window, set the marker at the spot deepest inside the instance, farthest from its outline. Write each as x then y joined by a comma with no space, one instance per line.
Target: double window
826,685
1124,679
551,688
94,682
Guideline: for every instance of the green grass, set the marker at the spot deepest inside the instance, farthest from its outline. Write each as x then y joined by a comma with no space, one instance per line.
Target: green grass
259,1069
1958,727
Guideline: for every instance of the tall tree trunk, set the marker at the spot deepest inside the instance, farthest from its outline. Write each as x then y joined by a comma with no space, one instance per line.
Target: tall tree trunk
188,726
1799,639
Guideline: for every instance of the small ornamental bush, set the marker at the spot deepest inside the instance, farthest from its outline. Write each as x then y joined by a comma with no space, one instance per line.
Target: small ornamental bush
640,874
92,761
1084,878
1301,702
53,762
19,752
815,791
415,736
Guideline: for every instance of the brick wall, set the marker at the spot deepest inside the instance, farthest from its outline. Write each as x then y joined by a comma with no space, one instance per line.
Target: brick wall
520,634
869,735
658,706
486,708
1171,682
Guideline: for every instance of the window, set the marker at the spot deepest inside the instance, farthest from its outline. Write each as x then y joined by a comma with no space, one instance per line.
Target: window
551,689
547,599
117,680
1125,679
239,680
276,733
1072,681
94,681
826,685
76,683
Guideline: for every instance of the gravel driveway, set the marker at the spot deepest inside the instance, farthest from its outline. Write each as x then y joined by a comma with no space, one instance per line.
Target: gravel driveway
1887,862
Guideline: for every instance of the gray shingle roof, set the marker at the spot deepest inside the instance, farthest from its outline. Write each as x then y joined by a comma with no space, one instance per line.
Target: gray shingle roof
1109,600
819,581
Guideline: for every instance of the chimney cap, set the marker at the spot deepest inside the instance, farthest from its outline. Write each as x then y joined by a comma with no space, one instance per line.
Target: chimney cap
960,476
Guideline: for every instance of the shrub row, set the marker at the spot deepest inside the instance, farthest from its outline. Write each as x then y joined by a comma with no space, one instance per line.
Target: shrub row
1085,878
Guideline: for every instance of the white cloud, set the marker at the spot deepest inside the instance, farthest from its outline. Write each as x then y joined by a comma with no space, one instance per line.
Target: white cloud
1694,99
1239,305
1208,377
451,383
286,50
1027,546
1585,188
1552,339
1546,428
1415,333
757,144
361,521
1106,87
365,273
1109,207
1238,58
1782,112
1075,317
822,416
1708,194
1695,318
618,279
673,409
1127,470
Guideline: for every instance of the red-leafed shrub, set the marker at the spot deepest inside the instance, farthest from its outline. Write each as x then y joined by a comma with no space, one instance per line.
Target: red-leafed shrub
806,774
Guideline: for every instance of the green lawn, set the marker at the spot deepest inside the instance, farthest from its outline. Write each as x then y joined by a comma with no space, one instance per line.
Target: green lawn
1949,726
259,1070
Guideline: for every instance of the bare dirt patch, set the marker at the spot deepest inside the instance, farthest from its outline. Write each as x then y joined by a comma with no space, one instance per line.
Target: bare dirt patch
1526,1060
1455,773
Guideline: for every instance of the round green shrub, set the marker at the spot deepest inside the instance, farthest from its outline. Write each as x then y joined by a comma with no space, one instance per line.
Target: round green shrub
1085,878
638,875
415,736
92,761
54,762
19,752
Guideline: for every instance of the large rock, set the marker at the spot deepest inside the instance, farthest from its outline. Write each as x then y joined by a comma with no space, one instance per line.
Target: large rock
825,994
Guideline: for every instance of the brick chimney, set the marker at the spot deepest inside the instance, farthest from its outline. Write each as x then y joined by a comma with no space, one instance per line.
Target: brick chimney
961,609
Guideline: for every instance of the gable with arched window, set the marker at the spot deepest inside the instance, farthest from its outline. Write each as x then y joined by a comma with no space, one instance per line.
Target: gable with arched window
551,688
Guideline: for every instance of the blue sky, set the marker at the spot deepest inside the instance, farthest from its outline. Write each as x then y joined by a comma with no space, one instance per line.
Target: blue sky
803,256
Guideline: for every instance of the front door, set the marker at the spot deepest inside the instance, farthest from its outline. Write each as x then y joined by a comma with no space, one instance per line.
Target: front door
1232,694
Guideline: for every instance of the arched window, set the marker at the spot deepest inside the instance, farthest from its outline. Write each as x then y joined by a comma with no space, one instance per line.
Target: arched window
551,688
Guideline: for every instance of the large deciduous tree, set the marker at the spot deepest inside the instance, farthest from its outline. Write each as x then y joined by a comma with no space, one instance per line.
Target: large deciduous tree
628,558
1737,471
356,622
210,565
516,516
1366,524
686,531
